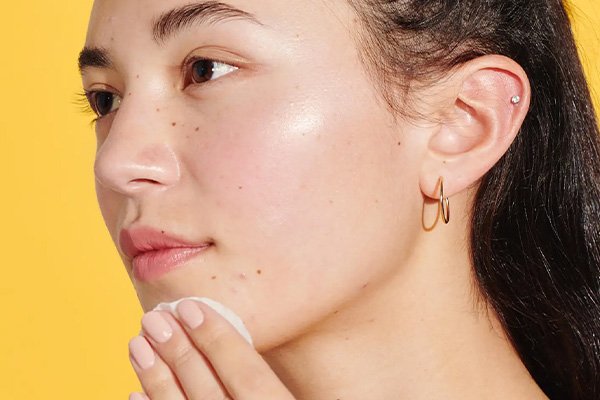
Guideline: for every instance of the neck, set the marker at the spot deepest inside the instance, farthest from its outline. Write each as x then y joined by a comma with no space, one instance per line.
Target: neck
417,336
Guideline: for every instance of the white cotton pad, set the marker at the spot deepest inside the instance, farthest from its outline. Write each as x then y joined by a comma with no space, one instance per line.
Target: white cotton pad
225,312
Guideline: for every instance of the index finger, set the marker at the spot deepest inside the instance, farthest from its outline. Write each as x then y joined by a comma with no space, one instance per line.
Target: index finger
245,374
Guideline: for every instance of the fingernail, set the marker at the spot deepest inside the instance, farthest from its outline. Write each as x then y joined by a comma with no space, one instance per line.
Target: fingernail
138,396
190,313
157,326
141,352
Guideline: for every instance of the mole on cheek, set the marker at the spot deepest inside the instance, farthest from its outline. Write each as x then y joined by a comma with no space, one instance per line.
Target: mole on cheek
197,128
258,271
173,123
158,110
213,277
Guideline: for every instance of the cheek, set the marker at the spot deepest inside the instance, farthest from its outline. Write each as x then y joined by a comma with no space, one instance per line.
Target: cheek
303,193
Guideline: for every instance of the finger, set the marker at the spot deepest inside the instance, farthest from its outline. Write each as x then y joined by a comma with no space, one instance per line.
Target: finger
245,374
194,373
156,378
138,396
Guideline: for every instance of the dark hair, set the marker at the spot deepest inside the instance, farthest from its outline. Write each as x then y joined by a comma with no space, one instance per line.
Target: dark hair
535,235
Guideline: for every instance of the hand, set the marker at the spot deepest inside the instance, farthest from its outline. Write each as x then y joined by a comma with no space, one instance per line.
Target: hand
201,357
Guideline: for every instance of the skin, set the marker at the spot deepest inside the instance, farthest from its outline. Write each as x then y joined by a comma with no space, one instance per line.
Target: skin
295,167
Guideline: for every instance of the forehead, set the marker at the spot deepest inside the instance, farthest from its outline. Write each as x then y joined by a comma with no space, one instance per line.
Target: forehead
133,18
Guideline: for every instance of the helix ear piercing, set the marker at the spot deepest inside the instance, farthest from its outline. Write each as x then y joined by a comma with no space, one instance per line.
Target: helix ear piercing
444,203
515,99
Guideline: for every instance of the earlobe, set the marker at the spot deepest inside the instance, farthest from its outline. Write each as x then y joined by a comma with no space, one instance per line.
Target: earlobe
489,99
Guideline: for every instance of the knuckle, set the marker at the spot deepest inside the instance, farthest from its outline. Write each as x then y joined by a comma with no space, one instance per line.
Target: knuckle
182,355
157,385
251,381
214,337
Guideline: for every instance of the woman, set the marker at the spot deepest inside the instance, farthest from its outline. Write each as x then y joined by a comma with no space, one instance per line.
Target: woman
400,199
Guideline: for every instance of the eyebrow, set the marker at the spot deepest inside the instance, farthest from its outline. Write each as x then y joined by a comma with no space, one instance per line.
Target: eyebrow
93,57
169,24
172,22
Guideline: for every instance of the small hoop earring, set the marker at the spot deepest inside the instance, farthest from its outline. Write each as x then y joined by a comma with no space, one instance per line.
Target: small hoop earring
444,203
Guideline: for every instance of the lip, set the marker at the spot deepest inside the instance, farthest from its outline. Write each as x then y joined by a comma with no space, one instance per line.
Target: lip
154,253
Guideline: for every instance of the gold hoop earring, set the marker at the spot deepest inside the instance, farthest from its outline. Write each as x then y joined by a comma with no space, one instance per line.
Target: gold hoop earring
444,203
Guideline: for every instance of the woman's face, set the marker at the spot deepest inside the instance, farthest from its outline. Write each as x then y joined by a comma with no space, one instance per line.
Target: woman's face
289,164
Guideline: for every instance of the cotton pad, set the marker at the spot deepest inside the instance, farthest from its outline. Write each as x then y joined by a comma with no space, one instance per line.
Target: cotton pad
225,312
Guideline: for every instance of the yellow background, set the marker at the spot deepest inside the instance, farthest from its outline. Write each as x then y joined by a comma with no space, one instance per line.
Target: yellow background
68,309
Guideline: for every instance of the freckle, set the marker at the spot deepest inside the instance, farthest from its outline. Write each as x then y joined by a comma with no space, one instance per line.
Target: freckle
399,143
197,128
330,201
372,320
445,161
158,110
213,277
187,136
240,187
258,271
336,311
129,94
137,77
163,232
346,338
173,123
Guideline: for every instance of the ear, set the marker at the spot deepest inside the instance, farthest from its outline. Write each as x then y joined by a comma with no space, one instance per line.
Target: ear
478,123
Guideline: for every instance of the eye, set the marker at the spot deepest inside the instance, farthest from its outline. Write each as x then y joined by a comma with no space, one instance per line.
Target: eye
203,70
103,102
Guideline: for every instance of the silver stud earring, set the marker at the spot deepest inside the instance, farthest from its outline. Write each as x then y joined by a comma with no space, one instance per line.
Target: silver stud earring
515,99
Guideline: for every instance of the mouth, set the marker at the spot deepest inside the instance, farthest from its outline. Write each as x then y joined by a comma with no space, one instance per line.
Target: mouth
154,253
151,265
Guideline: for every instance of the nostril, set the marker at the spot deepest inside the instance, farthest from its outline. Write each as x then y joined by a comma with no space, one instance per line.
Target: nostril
130,167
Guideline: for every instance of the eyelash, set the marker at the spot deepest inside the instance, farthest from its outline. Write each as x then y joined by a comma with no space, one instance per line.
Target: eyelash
83,103
85,99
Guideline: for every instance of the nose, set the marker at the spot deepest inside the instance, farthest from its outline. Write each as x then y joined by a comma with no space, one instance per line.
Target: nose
135,158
